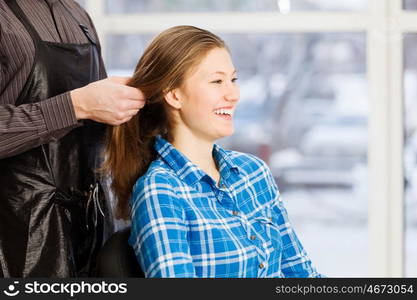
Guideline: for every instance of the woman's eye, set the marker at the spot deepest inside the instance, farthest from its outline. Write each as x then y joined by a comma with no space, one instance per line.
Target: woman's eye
217,81
220,81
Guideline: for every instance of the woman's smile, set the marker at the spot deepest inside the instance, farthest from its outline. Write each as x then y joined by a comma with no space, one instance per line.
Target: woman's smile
226,113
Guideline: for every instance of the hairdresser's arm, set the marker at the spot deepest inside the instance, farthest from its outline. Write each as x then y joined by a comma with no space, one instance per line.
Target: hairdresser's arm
108,101
159,230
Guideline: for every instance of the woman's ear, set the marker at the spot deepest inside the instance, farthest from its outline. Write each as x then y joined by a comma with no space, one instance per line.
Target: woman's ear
173,98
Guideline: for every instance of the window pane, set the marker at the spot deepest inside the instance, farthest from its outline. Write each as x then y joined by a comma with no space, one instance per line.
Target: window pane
283,6
303,109
410,4
410,153
123,52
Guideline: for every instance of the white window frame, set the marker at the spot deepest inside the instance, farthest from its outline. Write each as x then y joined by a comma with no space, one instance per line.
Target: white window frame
384,24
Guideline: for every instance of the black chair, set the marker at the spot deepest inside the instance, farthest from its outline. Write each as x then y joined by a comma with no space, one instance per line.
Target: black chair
117,258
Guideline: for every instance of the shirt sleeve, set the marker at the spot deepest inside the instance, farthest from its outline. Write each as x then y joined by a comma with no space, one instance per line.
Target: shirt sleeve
27,126
295,261
159,231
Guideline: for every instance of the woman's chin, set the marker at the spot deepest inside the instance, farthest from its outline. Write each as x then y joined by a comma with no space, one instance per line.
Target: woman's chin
226,133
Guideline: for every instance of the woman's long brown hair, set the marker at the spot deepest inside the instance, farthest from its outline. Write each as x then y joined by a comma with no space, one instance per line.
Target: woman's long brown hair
162,68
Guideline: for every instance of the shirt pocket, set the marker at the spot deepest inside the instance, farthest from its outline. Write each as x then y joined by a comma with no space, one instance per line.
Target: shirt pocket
267,222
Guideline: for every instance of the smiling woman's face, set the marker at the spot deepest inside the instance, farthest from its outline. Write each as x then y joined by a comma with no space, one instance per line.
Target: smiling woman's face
208,97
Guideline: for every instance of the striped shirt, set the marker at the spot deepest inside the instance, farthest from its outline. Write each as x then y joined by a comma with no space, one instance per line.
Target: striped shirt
29,125
184,225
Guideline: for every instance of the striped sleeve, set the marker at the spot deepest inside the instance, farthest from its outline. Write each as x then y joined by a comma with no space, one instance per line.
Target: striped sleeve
29,125
58,112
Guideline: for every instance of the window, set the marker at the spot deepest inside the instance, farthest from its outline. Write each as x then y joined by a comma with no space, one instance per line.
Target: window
410,4
282,6
410,152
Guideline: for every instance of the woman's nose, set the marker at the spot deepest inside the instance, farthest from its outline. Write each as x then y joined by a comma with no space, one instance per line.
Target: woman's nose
233,94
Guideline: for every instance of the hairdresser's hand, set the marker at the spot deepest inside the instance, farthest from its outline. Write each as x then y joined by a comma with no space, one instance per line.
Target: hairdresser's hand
108,101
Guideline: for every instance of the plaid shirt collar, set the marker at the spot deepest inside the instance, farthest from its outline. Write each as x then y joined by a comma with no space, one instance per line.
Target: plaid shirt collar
188,171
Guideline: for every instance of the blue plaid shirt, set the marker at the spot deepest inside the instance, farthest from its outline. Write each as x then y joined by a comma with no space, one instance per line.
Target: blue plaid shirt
184,225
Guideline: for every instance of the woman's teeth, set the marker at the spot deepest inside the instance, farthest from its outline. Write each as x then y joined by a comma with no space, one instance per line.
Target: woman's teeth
223,112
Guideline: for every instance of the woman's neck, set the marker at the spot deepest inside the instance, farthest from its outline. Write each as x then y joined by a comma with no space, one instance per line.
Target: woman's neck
199,152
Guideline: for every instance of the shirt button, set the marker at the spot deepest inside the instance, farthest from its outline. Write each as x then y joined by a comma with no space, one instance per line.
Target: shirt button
261,266
223,186
235,213
252,237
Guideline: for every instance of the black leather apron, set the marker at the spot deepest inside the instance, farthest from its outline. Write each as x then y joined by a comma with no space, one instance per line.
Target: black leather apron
54,215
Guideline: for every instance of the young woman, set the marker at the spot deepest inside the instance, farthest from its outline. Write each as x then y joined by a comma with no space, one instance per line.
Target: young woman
197,210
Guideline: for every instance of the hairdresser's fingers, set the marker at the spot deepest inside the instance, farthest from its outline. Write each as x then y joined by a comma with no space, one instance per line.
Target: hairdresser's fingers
120,79
133,93
127,91
124,120
132,112
132,104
